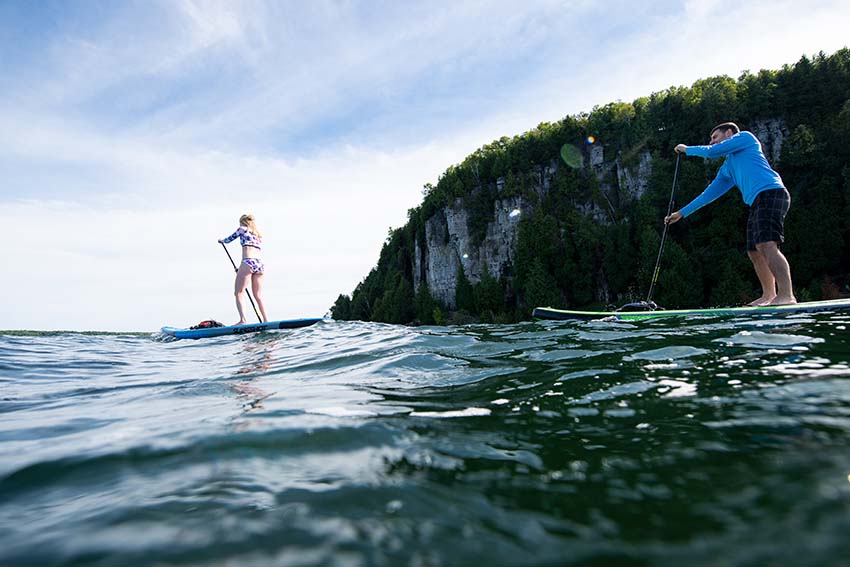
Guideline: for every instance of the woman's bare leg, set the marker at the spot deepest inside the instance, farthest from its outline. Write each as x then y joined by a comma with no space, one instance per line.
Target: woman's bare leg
257,288
242,277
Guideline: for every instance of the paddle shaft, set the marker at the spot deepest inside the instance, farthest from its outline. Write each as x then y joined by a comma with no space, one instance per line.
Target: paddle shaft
236,269
664,233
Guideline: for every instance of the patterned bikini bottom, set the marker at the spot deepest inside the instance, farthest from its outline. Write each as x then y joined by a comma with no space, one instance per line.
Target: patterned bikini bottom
255,265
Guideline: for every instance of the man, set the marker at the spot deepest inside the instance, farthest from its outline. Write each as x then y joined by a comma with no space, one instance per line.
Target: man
762,189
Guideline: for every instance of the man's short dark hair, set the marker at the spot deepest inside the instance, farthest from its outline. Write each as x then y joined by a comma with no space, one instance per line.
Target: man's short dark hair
725,126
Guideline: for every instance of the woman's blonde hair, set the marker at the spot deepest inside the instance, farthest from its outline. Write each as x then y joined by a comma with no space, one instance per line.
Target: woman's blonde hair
247,220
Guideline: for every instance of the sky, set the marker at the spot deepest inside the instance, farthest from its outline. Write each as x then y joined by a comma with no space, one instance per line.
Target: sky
134,134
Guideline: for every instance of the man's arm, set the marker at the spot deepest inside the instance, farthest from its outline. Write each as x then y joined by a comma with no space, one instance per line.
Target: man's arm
736,143
721,184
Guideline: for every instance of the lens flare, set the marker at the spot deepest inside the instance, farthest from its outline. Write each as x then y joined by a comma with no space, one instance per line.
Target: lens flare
515,213
572,156
591,140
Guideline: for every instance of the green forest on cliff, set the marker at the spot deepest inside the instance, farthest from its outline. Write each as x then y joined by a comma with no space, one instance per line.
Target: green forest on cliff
564,255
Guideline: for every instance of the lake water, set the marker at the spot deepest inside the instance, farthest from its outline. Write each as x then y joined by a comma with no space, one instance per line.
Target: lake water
715,441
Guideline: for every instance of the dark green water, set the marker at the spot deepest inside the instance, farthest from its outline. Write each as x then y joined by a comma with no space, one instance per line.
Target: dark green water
712,442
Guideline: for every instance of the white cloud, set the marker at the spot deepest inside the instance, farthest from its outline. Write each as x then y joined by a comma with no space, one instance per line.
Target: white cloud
212,22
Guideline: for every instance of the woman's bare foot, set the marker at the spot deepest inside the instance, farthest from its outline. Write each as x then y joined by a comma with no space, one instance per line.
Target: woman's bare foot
779,300
243,322
761,301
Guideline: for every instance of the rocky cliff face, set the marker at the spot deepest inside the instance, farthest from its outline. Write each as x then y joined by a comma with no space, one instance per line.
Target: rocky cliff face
448,244
771,133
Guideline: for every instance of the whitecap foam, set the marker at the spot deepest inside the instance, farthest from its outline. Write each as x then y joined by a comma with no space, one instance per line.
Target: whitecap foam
468,412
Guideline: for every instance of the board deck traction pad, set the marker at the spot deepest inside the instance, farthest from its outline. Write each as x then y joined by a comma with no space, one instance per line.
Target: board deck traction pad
805,307
182,333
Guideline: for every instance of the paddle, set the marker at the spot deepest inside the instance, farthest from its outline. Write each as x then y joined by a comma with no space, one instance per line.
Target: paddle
246,290
664,234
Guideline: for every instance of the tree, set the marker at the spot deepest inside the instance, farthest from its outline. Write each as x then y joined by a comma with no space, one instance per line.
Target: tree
540,287
425,306
341,310
489,296
464,297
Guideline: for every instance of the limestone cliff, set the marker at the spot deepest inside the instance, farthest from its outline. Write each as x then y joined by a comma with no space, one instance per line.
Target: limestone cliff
448,246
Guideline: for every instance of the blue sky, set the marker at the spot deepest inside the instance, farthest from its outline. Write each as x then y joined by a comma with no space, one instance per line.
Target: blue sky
134,134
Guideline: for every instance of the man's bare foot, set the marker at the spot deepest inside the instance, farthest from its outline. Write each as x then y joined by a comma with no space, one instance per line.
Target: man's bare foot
778,300
761,301
240,323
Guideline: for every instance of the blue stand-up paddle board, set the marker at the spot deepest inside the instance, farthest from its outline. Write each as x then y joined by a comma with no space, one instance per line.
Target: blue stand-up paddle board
808,306
238,329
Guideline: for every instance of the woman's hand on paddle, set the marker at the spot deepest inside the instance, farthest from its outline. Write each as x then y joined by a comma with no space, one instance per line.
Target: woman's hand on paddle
673,217
680,148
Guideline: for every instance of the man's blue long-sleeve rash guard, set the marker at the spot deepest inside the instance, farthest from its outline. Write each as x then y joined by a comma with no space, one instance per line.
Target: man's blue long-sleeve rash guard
745,167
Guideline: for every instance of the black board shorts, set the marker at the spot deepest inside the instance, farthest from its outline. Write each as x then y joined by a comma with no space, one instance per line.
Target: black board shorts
767,217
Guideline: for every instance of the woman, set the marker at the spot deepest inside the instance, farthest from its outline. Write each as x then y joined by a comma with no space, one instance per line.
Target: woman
251,267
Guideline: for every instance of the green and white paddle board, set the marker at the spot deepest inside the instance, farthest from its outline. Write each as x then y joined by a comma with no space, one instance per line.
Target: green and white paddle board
808,306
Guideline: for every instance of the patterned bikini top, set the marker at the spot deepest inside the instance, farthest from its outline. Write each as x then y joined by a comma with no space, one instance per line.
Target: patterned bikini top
246,238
